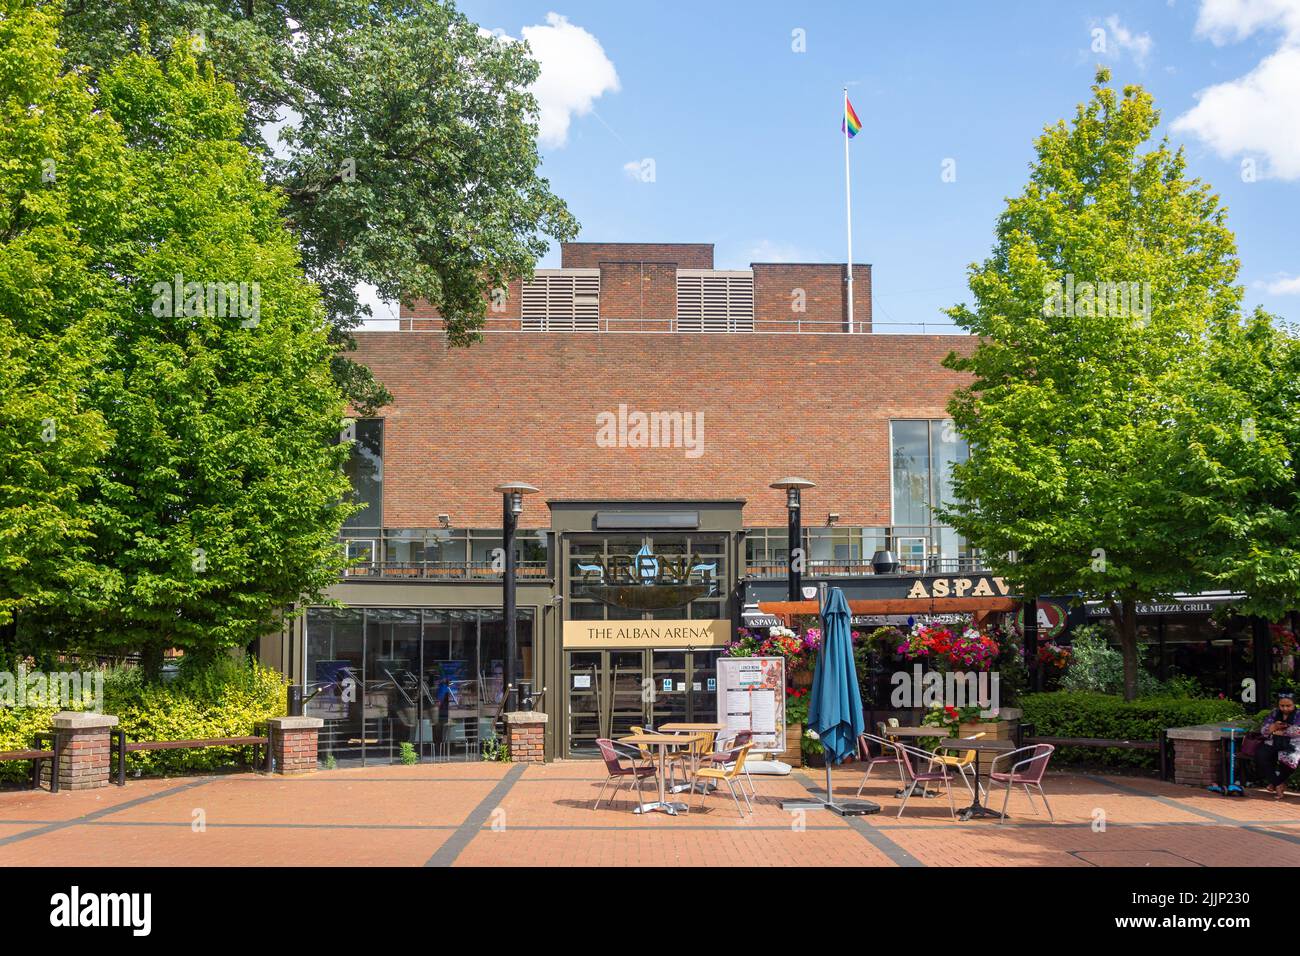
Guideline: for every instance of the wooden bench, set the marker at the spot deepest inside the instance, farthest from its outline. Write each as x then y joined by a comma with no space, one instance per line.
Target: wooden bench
1160,745
254,741
36,755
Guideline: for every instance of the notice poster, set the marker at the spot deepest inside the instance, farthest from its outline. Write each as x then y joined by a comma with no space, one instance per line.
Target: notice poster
751,696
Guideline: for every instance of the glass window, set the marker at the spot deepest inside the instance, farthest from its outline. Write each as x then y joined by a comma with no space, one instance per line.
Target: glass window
910,443
365,469
633,577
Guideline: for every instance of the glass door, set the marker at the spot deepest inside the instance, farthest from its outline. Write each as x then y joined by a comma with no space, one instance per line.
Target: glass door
703,699
586,713
670,688
627,692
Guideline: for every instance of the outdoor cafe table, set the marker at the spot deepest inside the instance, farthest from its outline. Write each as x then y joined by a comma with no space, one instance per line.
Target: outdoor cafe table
980,745
662,742
697,729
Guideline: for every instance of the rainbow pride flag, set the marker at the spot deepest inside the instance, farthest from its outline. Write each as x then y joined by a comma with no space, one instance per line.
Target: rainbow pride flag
851,122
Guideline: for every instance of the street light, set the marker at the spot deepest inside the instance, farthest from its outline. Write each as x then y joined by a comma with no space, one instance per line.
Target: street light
512,506
792,487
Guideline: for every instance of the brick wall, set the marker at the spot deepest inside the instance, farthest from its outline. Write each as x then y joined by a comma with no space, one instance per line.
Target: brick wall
638,290
592,255
810,297
638,296
1197,762
524,406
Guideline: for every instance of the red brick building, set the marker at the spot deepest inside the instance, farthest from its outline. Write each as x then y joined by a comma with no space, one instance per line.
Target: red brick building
652,400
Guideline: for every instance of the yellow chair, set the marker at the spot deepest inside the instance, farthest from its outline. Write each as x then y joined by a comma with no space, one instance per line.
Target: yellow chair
727,774
961,763
690,757
646,755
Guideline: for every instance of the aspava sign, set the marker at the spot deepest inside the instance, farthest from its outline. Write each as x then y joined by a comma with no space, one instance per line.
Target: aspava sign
974,585
668,633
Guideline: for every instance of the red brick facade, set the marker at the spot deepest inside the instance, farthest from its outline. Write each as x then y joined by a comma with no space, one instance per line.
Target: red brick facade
593,255
524,406
638,291
810,297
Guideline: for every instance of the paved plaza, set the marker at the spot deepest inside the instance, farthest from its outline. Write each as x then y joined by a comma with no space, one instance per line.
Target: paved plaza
480,814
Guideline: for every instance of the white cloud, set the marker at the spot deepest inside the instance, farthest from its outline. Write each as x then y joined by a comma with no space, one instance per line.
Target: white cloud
1112,38
633,169
1124,40
1258,113
1226,21
1285,285
574,73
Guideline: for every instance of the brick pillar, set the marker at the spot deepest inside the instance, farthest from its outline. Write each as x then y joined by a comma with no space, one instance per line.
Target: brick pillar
83,749
527,736
1197,754
293,743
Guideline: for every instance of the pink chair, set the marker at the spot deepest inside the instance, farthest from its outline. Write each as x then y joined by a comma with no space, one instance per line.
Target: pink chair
912,779
888,754
614,766
1027,771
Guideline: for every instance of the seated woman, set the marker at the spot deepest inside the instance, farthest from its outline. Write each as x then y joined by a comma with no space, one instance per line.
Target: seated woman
1278,755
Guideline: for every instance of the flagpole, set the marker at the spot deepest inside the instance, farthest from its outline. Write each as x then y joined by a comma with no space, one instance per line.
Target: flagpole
848,207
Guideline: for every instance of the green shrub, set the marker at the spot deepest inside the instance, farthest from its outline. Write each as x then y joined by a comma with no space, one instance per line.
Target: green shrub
1087,714
406,754
224,698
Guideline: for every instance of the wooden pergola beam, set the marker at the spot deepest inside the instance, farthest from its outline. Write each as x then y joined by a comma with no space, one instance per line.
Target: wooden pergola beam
950,605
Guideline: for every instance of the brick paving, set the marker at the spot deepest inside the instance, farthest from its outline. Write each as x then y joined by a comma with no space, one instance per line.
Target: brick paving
481,814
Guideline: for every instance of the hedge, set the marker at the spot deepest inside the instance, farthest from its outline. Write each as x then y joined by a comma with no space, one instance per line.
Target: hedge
1090,714
223,699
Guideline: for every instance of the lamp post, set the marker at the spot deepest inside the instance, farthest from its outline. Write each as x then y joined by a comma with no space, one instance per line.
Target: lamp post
792,487
512,506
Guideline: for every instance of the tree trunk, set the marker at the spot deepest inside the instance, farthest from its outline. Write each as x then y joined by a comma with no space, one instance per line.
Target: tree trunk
151,661
9,641
1128,642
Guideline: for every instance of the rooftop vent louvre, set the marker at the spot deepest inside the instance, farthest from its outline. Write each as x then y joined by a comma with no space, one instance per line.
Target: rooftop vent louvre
711,300
561,300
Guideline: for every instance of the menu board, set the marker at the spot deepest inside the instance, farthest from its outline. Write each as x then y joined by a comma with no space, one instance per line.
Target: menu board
751,696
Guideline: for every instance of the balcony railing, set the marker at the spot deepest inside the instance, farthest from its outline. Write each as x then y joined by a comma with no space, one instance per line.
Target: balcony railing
796,324
766,570
444,570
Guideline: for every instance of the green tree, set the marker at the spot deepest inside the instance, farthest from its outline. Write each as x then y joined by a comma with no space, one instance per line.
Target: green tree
411,142
218,501
1235,445
60,197
1072,484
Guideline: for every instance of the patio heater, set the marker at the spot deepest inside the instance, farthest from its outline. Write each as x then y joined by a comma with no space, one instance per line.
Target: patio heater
794,569
512,506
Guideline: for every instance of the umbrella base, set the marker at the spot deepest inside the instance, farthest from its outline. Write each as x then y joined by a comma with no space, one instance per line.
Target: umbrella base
855,808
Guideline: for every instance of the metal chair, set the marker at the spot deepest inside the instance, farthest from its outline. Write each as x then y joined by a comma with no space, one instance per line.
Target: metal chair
614,767
963,762
906,755
1027,772
728,746
886,747
726,773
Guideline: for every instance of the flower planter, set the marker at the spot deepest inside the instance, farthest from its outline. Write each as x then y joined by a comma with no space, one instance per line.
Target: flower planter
997,729
792,755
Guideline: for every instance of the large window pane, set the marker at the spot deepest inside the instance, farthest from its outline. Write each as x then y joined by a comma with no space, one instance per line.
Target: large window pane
365,469
332,688
910,442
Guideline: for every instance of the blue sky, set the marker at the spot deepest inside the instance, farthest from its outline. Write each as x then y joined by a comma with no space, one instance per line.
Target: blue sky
744,131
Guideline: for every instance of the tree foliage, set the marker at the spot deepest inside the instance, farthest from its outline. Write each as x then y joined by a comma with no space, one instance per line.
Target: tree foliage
1108,453
160,307
409,156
